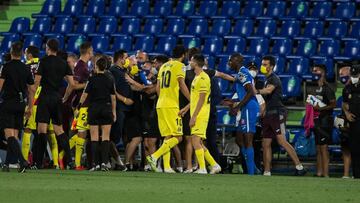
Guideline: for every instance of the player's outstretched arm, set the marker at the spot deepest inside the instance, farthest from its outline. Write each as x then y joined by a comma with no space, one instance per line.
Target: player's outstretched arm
224,76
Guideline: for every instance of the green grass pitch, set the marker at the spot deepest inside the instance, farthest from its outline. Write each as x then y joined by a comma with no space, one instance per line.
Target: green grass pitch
73,186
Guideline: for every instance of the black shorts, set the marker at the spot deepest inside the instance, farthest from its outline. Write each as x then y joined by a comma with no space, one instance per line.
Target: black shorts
133,126
100,114
323,128
345,139
185,123
49,108
12,115
151,126
273,125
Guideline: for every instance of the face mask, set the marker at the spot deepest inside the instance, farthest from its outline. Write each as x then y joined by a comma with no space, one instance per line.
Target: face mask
316,76
253,73
263,70
154,71
354,80
134,70
127,63
344,79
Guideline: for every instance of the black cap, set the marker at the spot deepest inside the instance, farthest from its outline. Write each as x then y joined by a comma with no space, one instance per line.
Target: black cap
252,65
355,69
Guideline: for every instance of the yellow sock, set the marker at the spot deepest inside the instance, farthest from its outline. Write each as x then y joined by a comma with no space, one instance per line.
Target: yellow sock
165,147
209,158
72,143
25,145
54,149
200,157
79,148
166,160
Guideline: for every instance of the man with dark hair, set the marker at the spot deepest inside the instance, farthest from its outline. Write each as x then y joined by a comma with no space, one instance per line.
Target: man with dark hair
170,80
275,117
323,123
16,83
81,75
51,72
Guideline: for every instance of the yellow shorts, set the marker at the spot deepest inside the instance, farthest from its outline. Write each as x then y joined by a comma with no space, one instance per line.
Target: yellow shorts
31,123
199,129
82,119
169,122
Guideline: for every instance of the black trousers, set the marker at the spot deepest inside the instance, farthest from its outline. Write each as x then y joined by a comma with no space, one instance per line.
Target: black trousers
211,136
355,147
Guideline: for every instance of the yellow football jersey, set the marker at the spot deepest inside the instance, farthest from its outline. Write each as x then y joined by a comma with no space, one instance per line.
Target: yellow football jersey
200,84
169,85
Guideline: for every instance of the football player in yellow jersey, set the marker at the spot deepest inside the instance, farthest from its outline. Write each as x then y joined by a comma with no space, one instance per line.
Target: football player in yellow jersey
199,112
170,80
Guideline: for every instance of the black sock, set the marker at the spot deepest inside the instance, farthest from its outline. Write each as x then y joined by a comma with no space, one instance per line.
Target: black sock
41,148
15,148
94,152
105,148
64,143
8,154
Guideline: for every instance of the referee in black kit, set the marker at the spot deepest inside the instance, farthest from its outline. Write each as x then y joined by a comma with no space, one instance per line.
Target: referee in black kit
51,72
16,83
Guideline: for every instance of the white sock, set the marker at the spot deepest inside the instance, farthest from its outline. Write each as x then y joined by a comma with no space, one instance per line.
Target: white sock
299,167
119,161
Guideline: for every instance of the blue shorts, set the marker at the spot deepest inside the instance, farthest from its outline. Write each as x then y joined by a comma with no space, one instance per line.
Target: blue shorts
249,119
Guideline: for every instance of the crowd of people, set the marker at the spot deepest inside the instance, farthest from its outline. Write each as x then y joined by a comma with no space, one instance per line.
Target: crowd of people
94,102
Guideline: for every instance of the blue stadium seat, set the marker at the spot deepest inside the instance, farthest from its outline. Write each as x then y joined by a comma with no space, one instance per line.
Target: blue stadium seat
210,61
258,46
74,42
185,8
63,25
251,58
298,66
163,8
337,29
221,27
275,9
73,8
223,66
145,43
190,41
95,8
86,25
298,9
122,42
208,8
213,46
313,28
289,28
108,25
223,117
100,44
118,8
306,47
197,26
235,44
230,8
355,29
291,85
322,9
280,64
328,62
140,8
165,44
282,46
18,25
266,28
345,10
7,41
59,37
153,26
352,49
33,40
329,48
243,27
49,8
253,9
175,26
130,26
41,26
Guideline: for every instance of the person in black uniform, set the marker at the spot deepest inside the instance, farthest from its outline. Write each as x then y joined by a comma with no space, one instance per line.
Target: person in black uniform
16,82
352,112
51,71
323,124
102,112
